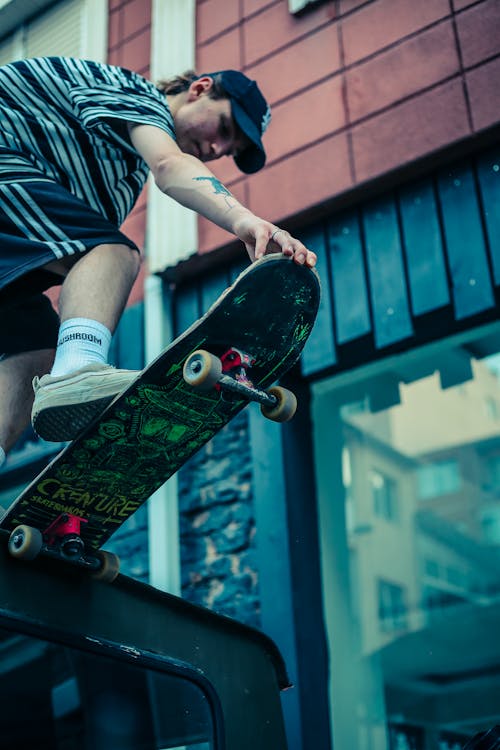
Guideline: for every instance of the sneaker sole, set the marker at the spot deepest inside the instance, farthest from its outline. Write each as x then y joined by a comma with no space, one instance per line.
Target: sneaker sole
62,423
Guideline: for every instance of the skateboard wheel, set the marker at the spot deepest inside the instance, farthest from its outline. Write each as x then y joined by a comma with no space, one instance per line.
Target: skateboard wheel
25,542
285,407
110,567
202,369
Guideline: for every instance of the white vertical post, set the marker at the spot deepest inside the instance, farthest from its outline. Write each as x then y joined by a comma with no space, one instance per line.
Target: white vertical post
171,235
95,30
172,229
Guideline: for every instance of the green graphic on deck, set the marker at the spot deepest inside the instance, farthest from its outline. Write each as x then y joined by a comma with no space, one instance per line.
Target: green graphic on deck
155,426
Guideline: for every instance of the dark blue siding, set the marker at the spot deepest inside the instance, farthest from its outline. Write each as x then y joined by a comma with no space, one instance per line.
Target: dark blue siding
348,278
423,247
488,169
320,348
212,289
410,267
187,309
390,306
465,242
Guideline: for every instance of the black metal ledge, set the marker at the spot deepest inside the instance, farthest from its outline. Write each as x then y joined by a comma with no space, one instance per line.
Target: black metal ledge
131,621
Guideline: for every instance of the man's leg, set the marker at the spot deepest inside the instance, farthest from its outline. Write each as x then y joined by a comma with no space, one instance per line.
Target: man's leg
92,299
80,385
16,392
98,285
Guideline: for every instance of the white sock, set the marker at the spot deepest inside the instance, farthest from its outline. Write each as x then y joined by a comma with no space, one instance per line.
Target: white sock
2,456
80,342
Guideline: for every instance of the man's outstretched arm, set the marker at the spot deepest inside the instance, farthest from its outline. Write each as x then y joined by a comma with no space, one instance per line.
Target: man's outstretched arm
189,182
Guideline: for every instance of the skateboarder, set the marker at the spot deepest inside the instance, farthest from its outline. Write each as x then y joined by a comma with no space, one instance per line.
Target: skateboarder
77,140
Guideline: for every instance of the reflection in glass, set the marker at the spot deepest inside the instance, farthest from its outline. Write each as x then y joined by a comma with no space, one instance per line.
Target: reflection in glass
58,698
422,493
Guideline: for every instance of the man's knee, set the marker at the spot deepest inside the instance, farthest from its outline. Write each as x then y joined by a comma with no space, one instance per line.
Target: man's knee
125,256
134,258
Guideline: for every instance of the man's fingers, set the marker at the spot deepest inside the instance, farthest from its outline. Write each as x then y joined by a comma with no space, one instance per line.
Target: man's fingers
261,242
293,248
279,239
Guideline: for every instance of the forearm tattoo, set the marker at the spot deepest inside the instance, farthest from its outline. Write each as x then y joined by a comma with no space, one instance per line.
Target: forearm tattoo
219,188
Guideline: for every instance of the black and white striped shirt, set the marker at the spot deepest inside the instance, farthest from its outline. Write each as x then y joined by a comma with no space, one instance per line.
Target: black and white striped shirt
64,120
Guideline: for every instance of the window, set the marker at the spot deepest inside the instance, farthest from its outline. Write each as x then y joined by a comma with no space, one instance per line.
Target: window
75,28
404,601
58,697
384,493
392,607
439,478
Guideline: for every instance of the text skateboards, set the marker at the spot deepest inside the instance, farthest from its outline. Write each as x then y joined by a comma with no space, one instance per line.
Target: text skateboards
247,340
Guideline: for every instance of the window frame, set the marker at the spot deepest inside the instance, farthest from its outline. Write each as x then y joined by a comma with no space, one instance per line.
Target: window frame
16,17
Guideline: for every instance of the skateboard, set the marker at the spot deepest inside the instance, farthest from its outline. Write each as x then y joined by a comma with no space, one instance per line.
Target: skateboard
251,336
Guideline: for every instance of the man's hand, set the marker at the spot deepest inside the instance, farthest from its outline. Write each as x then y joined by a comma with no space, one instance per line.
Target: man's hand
261,237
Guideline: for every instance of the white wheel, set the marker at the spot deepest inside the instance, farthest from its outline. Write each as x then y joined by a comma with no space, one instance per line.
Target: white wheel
25,542
285,407
110,567
202,370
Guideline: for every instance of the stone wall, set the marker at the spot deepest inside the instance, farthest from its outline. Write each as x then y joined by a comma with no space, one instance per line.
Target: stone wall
217,526
130,543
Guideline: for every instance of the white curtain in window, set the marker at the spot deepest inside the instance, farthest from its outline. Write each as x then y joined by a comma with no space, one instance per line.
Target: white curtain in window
73,28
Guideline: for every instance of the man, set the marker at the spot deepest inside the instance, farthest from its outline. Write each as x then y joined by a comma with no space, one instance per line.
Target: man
77,140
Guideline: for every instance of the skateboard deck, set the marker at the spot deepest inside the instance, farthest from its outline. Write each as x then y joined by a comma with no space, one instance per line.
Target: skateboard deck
150,430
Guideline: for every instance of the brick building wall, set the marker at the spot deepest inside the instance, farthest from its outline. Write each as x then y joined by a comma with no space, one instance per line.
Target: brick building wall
357,87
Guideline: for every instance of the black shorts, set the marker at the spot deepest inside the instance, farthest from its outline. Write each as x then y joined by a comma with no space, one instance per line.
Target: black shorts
41,222
28,322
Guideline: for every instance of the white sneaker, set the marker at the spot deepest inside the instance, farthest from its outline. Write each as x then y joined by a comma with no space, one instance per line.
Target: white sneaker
65,405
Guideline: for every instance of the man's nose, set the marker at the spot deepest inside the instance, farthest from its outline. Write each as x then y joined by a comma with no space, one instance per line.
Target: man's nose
220,148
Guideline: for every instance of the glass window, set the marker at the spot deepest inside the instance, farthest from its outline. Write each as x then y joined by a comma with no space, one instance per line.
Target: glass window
392,606
75,28
58,698
384,493
438,478
412,608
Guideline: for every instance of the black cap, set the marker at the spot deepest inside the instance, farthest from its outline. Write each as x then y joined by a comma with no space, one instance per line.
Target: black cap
251,113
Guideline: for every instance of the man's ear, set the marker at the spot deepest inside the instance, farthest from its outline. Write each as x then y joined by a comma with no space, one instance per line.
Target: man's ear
199,87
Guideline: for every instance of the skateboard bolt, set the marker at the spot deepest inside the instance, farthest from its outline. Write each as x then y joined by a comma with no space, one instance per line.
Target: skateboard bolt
72,547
